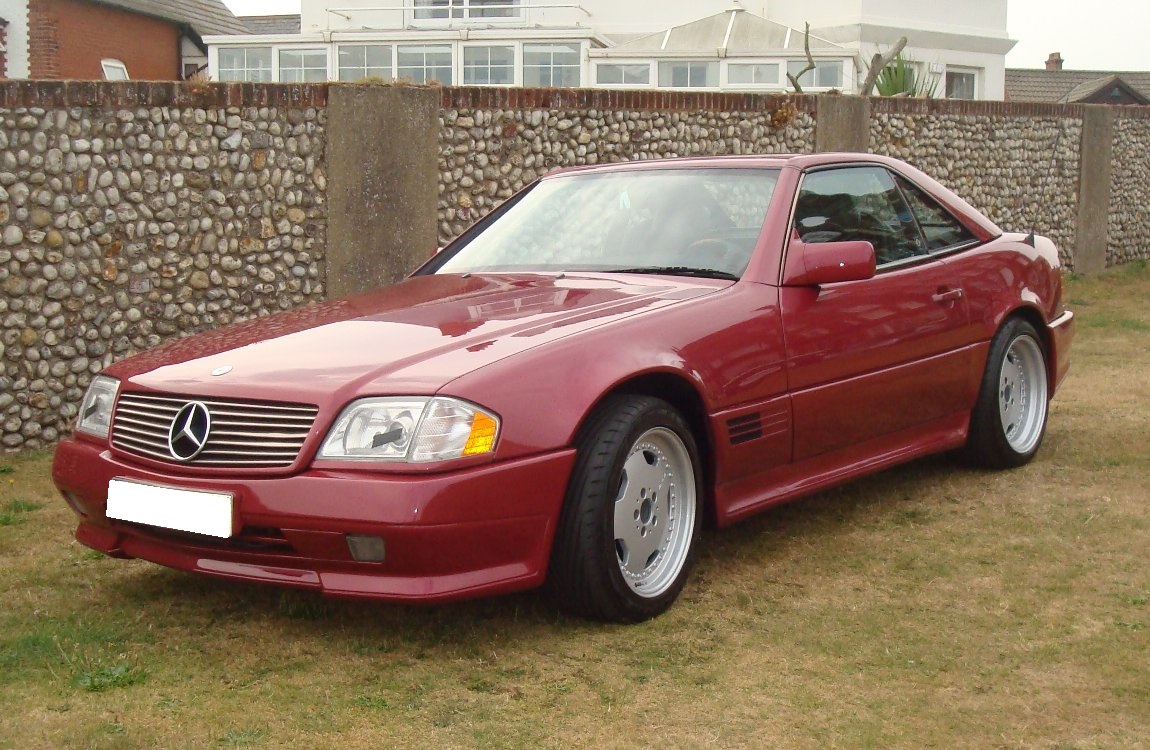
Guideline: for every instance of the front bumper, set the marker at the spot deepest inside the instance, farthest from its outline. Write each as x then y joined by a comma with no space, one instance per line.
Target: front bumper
477,531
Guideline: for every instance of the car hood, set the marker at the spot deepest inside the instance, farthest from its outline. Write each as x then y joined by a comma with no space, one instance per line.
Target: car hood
411,338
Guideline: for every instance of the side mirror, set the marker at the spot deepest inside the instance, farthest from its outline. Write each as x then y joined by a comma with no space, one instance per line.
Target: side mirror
818,263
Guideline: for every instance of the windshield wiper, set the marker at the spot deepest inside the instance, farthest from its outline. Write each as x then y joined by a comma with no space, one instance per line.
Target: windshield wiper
706,273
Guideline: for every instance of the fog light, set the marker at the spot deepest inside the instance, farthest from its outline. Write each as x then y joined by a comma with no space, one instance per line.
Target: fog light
365,548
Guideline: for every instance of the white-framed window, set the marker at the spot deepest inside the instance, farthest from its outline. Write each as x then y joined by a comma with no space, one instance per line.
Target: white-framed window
488,65
422,63
828,74
961,84
684,74
359,61
445,11
552,65
755,74
623,74
114,70
245,64
303,65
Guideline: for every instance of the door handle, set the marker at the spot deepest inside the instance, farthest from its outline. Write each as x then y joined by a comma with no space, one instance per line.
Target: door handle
947,295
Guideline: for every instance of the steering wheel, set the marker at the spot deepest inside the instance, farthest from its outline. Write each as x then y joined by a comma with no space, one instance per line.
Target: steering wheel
719,254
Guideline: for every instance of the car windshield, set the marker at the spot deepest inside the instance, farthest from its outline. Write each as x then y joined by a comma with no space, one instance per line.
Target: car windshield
691,222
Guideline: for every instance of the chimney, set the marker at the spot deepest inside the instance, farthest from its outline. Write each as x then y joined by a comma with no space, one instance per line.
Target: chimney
1054,62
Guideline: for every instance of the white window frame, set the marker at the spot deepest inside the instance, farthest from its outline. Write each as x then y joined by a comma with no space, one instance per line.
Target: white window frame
687,61
111,67
453,66
516,61
580,67
517,18
336,70
649,64
273,70
279,49
962,70
844,73
725,74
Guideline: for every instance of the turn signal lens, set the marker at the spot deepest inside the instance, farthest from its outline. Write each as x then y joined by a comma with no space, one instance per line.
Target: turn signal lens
482,437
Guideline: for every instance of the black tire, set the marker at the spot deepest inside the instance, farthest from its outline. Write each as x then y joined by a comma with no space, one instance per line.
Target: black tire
1009,418
608,530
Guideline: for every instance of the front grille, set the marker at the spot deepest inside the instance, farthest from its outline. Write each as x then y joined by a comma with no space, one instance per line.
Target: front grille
244,434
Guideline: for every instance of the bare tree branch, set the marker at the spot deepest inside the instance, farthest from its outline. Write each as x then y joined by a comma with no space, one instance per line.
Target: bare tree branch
877,63
810,61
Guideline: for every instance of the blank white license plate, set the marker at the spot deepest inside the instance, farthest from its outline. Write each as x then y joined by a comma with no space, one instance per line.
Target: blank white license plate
196,511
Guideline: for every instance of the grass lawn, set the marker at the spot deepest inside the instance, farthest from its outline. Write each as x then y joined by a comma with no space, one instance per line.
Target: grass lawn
929,606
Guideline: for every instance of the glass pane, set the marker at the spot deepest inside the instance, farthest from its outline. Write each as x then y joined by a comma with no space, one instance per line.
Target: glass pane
858,203
352,57
551,65
488,65
232,58
940,229
379,56
959,85
793,68
479,9
753,74
425,9
422,64
689,74
830,74
705,219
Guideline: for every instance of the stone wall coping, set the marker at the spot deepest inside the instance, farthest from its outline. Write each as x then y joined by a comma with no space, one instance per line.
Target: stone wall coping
115,94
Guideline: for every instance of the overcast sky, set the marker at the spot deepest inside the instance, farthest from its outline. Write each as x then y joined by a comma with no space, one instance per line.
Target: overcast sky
1090,34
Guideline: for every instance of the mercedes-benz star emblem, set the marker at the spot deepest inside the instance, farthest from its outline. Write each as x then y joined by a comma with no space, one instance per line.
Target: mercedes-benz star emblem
189,431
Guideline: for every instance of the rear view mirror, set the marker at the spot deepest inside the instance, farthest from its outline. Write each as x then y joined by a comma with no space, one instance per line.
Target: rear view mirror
817,263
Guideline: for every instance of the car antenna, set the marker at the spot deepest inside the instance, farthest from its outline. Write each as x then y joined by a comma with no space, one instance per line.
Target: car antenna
1030,239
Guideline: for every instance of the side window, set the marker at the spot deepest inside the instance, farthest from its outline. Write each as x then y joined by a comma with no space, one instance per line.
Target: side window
858,203
940,229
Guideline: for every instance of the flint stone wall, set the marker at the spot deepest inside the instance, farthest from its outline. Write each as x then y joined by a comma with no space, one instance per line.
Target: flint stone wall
1129,236
1021,171
134,213
488,153
124,226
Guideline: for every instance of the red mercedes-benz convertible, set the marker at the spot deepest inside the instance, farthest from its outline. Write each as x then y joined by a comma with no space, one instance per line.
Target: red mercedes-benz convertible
563,394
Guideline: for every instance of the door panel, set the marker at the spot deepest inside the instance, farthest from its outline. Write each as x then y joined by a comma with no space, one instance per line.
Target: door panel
872,357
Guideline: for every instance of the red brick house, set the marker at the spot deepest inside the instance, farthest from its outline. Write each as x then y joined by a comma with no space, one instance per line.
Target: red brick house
93,39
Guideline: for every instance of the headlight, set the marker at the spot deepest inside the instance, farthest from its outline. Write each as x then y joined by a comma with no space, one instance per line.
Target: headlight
96,408
416,430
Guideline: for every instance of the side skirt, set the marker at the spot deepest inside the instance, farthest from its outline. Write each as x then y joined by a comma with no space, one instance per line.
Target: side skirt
736,500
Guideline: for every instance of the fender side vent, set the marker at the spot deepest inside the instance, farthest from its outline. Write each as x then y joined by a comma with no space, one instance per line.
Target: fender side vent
745,429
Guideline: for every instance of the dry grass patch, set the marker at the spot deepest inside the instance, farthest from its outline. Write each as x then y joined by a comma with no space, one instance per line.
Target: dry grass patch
929,606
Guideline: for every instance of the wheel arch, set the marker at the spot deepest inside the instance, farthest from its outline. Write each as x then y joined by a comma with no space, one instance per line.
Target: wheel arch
680,392
1034,317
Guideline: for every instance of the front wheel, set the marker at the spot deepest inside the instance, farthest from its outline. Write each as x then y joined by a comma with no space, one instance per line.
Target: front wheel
625,539
1009,419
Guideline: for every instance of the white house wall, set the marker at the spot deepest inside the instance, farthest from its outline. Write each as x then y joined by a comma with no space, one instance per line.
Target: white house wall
16,13
607,16
970,17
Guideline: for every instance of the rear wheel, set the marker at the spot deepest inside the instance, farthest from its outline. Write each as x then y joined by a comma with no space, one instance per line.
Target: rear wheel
626,536
1009,420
